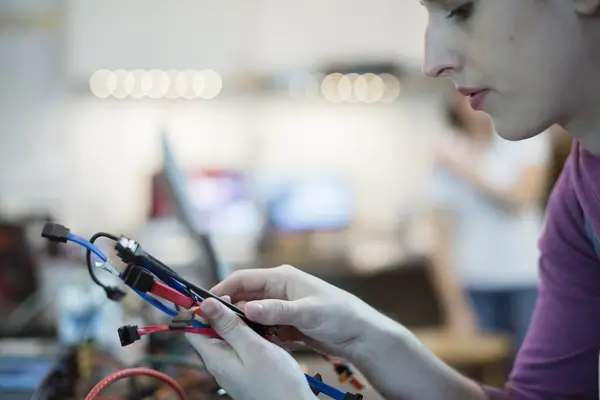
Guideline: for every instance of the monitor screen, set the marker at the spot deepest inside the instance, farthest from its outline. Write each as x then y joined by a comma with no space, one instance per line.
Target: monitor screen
311,203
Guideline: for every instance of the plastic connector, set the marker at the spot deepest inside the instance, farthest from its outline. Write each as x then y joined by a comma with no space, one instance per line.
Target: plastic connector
128,334
353,396
56,233
114,293
182,320
343,371
138,278
130,251
315,391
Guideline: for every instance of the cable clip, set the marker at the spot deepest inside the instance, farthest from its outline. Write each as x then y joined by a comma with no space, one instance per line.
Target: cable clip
108,267
183,320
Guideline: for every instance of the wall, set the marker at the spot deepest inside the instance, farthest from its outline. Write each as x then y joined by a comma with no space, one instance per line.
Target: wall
261,35
88,160
383,151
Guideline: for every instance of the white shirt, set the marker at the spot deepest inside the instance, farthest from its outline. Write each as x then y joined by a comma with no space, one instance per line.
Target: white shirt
492,247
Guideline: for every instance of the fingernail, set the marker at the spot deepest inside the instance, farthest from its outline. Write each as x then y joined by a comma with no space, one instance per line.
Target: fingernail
254,310
211,308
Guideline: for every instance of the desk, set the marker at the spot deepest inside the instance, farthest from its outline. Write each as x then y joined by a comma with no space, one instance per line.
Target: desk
486,351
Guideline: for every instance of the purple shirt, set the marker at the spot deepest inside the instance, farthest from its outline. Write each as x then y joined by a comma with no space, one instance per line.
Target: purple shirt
559,359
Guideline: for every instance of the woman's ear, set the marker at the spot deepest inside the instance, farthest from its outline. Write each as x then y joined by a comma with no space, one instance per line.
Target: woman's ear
586,7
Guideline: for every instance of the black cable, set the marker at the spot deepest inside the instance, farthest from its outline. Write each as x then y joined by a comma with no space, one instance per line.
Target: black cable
112,293
202,293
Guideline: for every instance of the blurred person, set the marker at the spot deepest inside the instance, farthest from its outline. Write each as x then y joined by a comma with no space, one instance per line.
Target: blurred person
528,64
488,194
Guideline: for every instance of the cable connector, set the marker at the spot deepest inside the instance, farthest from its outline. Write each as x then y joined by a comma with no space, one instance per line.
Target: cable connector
130,251
316,391
183,320
138,278
56,233
345,374
128,334
343,371
353,396
114,293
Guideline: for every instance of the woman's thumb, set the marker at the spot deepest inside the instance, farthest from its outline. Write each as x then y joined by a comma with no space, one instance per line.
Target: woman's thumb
273,312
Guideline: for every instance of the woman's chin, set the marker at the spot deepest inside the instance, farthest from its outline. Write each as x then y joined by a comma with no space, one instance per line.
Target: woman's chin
515,129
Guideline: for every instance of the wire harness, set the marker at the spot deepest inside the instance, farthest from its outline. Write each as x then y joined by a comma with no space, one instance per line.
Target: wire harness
151,279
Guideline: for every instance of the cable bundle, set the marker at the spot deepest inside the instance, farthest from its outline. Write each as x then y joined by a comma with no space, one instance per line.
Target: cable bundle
151,280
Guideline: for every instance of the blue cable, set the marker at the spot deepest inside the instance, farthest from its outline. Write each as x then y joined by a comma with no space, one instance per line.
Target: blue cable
167,310
313,382
325,388
90,246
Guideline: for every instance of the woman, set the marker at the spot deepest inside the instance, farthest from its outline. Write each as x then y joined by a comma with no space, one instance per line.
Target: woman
528,64
488,194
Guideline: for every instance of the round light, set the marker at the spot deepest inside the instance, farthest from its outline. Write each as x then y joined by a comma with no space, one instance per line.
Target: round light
392,88
361,88
345,88
213,84
376,88
185,84
198,84
329,87
157,84
102,83
141,81
124,84
173,92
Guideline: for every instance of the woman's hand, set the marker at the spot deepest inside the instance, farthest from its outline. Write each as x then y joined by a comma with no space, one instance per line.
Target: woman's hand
245,365
304,307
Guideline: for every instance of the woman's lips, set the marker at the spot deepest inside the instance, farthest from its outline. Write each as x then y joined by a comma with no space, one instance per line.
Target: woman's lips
476,96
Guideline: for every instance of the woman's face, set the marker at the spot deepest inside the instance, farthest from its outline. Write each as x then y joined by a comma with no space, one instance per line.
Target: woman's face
518,60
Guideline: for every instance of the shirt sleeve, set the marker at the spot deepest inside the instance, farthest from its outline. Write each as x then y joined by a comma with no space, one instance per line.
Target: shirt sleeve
559,358
443,189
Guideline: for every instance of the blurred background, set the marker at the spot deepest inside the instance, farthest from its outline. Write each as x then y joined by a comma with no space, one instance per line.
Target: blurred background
302,132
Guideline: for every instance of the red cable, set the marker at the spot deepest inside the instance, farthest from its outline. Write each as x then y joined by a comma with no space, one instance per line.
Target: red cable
166,292
147,330
127,373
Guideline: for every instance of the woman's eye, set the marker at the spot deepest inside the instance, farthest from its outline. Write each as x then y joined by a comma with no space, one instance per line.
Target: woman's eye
463,12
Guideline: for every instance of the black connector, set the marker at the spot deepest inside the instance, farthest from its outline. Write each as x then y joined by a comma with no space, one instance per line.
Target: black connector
316,391
130,251
56,233
128,334
353,396
138,278
114,293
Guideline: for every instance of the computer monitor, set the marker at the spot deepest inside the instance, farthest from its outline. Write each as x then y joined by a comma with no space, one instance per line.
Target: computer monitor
319,202
178,192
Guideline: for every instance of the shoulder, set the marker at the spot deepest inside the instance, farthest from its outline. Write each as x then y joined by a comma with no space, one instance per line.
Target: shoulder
573,265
